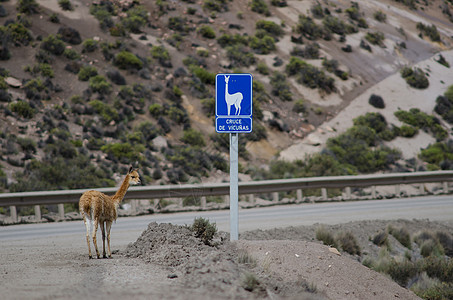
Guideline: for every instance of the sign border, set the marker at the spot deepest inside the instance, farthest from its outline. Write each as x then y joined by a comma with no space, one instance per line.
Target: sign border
239,116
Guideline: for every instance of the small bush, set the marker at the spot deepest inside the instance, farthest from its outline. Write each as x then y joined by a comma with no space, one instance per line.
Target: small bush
240,56
299,106
89,45
23,109
309,28
27,6
326,237
204,230
71,54
380,16
375,38
376,101
249,282
127,60
53,44
65,5
193,137
260,6
431,248
280,87
430,31
401,234
416,78
87,72
269,27
348,242
206,31
381,239
99,84
161,55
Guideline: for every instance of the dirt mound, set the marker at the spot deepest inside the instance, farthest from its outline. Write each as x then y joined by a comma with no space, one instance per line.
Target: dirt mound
223,271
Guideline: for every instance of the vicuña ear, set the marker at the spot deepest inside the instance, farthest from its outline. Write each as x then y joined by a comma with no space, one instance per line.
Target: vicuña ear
130,170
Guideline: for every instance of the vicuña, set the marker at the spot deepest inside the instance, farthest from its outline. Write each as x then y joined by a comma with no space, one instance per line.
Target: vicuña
98,208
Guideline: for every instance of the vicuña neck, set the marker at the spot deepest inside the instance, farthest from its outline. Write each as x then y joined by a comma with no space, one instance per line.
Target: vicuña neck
226,89
122,190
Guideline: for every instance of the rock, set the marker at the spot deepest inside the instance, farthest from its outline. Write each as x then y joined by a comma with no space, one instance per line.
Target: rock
13,82
144,73
160,142
70,35
334,251
5,96
180,72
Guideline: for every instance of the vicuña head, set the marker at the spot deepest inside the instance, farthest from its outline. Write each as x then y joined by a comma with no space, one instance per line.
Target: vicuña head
227,78
98,208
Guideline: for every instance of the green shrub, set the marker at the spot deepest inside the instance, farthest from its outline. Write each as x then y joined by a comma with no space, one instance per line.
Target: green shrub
381,239
439,154
204,75
375,38
193,137
280,87
380,16
204,230
260,6
27,6
430,31
376,101
89,45
326,237
178,114
71,54
53,44
208,105
299,106
107,112
136,18
16,33
348,242
207,31
373,120
178,24
269,27
34,89
401,272
444,105
229,40
127,60
99,84
310,75
401,234
156,110
263,44
215,5
161,55
250,282
421,120
65,5
309,28
407,131
317,11
439,267
87,72
124,152
262,68
240,56
431,248
23,109
416,78
337,26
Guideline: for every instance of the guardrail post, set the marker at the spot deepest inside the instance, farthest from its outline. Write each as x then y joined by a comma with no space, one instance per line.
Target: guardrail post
398,191
251,198
203,202
445,187
13,212
227,199
275,196
324,193
37,212
422,189
348,192
133,206
61,211
180,202
373,192
299,195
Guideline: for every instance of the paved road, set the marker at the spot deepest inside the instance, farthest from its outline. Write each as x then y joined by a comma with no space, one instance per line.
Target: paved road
127,230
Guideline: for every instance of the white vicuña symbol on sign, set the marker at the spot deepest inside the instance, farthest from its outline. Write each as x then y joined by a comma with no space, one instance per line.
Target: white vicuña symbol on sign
232,99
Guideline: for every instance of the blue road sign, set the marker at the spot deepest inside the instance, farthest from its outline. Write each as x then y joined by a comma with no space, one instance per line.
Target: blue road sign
233,103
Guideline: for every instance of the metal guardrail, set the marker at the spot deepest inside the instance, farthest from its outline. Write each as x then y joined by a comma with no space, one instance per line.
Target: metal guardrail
213,189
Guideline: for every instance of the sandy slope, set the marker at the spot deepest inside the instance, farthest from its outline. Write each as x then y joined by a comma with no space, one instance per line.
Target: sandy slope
397,95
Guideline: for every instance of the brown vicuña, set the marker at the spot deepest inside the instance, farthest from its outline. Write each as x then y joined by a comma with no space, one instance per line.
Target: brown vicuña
98,208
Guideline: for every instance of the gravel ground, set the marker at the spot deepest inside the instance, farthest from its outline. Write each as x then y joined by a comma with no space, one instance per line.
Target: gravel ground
168,262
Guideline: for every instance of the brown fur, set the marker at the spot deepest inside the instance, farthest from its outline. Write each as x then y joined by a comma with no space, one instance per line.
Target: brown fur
97,208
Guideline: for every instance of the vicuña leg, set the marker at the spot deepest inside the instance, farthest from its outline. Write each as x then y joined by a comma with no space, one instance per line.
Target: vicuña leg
95,229
87,225
103,240
108,226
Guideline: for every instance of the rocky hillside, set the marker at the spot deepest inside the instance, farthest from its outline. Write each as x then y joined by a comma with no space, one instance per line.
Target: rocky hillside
88,88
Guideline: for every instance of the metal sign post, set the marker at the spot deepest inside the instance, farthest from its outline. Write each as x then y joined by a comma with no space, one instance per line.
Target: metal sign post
233,115
234,190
